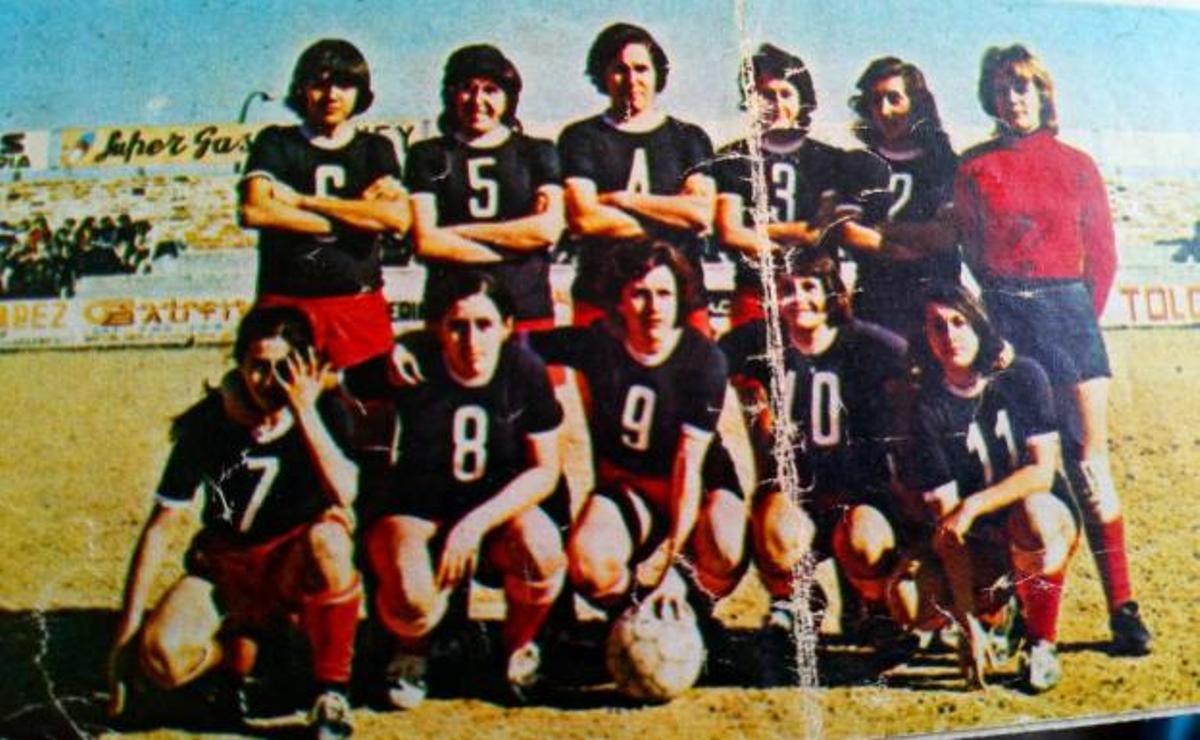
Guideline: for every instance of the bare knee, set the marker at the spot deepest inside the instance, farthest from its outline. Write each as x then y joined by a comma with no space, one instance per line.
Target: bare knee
170,659
1042,534
530,546
720,544
594,569
864,539
783,533
332,554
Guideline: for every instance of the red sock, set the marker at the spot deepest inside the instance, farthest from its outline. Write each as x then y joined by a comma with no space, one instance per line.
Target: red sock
330,621
1040,597
1107,541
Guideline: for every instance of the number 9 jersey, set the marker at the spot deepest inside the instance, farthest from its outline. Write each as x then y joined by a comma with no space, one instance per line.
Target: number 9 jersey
458,446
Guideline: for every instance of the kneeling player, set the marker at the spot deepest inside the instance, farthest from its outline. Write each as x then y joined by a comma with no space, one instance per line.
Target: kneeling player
986,459
276,536
655,387
477,454
836,412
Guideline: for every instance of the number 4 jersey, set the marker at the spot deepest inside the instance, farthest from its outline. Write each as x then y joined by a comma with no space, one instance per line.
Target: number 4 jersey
459,446
254,488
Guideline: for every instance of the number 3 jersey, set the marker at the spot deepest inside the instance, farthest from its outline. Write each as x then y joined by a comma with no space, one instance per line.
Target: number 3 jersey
459,446
981,440
497,184
254,488
637,413
345,261
841,403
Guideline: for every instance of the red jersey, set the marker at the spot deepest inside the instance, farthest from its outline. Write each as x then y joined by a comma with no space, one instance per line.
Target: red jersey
1034,208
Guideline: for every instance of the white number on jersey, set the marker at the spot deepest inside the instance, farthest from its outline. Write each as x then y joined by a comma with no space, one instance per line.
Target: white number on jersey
783,177
485,191
637,417
977,445
268,468
901,185
328,178
825,406
469,461
639,173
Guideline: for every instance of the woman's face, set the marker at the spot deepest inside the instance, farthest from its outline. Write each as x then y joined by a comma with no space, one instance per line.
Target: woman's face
1019,103
891,110
649,307
804,303
479,106
631,80
779,103
952,340
472,334
329,103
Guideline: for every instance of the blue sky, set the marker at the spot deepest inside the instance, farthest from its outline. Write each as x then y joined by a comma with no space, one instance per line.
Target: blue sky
1117,65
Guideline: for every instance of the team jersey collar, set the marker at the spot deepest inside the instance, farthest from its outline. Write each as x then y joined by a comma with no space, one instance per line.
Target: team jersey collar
493,139
784,145
907,154
641,124
975,391
340,138
654,359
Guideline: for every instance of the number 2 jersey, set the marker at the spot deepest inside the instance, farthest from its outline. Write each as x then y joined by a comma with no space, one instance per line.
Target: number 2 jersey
254,488
656,162
496,184
981,440
795,180
841,402
459,446
344,262
637,413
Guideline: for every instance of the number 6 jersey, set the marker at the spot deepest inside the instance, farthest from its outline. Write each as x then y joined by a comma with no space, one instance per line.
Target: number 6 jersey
254,488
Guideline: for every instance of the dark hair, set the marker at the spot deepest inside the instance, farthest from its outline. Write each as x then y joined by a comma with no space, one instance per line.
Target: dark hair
1004,65
631,259
336,60
926,123
956,296
821,264
771,61
611,41
479,60
290,324
459,284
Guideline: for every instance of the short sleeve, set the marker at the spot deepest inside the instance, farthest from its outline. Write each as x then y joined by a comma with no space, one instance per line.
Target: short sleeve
697,148
384,162
267,155
575,153
743,349
929,466
865,177
1035,396
703,391
338,419
427,165
182,475
563,346
543,412
546,168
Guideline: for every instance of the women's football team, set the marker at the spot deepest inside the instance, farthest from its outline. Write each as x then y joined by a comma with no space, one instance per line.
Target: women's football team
944,448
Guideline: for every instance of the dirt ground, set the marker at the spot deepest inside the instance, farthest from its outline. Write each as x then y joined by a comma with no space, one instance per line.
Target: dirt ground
85,441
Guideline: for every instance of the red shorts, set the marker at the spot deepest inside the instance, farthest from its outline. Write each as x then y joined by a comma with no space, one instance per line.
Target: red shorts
348,329
252,582
586,313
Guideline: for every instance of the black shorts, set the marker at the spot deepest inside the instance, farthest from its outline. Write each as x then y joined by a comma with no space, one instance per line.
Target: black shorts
1052,322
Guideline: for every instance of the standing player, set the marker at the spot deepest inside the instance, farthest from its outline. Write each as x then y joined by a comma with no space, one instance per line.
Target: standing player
986,463
801,176
664,481
898,119
478,454
841,378
319,195
631,171
483,191
1037,232
265,448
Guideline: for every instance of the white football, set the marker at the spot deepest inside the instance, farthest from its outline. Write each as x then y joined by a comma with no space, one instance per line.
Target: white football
655,651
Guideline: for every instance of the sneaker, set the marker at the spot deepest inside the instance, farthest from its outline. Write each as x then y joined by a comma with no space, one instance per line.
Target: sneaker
777,646
973,653
330,717
405,677
1130,635
523,671
1004,638
226,699
1040,668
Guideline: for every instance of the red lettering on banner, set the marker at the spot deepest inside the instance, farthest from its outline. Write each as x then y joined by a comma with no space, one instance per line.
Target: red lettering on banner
1129,294
1160,313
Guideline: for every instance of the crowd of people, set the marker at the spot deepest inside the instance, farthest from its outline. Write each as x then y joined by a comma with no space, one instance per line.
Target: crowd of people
945,449
40,261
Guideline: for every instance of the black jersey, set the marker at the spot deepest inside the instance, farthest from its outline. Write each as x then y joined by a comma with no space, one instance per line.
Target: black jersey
795,181
253,489
345,261
889,291
982,440
460,446
656,162
637,413
497,184
841,403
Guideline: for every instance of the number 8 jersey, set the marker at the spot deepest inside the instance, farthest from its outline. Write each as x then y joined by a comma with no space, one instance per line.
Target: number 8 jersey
255,487
458,446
